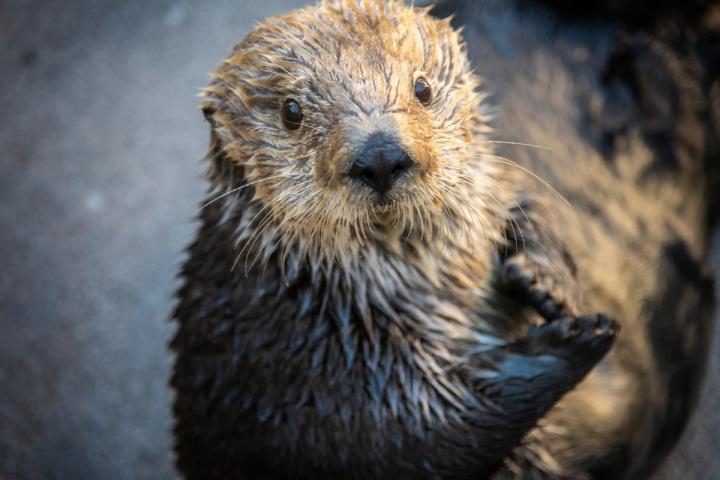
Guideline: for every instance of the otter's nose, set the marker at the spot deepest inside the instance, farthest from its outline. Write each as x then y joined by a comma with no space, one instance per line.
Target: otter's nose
380,163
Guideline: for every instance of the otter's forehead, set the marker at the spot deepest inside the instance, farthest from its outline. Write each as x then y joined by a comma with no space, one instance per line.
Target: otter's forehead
355,53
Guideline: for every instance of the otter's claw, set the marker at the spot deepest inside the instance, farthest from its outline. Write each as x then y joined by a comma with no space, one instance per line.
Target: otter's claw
518,276
582,340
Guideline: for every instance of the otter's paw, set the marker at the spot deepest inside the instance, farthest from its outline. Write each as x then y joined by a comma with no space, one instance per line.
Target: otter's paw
583,341
518,276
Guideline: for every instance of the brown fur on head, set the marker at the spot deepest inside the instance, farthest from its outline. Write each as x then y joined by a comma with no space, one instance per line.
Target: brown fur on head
351,65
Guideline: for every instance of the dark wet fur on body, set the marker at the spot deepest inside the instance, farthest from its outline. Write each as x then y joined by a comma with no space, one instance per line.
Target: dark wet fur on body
499,368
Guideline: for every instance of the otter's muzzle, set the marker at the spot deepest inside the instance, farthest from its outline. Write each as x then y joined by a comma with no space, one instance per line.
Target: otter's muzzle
380,163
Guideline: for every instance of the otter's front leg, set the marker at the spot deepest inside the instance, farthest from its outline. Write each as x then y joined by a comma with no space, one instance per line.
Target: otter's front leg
519,382
522,380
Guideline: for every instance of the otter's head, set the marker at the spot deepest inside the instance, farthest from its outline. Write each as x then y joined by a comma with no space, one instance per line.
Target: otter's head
353,120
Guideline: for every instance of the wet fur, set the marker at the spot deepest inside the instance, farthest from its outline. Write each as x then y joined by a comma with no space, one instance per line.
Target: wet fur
315,341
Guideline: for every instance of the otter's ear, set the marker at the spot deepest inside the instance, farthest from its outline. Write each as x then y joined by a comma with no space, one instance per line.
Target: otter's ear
215,146
208,112
215,149
220,168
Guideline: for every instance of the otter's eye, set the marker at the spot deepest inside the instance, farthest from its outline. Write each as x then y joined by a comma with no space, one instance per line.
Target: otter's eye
291,114
422,91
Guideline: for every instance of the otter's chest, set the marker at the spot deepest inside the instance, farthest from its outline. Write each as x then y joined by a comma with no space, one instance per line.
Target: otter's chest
383,408
333,376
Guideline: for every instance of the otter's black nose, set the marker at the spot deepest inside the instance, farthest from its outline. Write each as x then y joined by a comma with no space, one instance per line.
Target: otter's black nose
380,163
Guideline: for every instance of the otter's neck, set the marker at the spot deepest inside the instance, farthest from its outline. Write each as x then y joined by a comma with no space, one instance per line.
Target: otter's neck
429,281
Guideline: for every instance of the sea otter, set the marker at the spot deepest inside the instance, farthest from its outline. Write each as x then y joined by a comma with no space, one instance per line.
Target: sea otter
406,271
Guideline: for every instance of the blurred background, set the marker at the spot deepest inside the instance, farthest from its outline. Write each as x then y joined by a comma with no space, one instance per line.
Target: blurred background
101,144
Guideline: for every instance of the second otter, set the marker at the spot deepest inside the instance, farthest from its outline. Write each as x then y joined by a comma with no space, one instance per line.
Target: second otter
375,292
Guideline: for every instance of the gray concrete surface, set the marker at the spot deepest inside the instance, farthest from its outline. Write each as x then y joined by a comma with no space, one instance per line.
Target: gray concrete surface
100,174
100,148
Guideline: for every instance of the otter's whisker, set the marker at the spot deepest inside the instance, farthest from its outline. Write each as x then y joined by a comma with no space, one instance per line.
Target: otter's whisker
237,189
299,220
252,222
259,229
471,218
506,161
294,191
513,222
503,142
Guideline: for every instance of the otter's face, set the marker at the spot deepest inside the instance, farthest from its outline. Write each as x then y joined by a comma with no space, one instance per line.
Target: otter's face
351,119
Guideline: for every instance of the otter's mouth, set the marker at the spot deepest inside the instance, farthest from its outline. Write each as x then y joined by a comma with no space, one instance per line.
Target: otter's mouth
384,203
